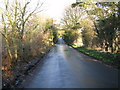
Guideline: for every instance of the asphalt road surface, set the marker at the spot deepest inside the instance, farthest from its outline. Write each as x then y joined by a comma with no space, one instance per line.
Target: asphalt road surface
64,67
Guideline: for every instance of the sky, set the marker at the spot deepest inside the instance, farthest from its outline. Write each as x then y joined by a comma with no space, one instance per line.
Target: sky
51,8
55,8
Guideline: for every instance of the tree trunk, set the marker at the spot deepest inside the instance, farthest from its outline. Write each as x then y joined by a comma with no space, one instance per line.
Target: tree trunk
106,47
112,48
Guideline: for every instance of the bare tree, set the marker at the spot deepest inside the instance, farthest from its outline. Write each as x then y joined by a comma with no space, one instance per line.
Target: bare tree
15,14
72,17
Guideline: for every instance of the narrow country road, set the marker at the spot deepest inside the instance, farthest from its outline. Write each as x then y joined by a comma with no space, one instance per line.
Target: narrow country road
65,67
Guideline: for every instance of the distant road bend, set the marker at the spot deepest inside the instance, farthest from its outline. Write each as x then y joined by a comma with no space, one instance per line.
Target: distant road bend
64,67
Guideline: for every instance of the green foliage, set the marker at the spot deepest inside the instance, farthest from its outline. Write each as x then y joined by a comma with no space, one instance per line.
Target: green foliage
88,32
107,32
49,26
54,33
70,36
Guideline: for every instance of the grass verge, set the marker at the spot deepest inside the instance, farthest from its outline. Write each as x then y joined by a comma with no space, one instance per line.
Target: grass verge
106,57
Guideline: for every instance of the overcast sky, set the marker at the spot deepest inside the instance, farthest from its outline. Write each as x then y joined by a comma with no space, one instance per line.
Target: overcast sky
55,8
